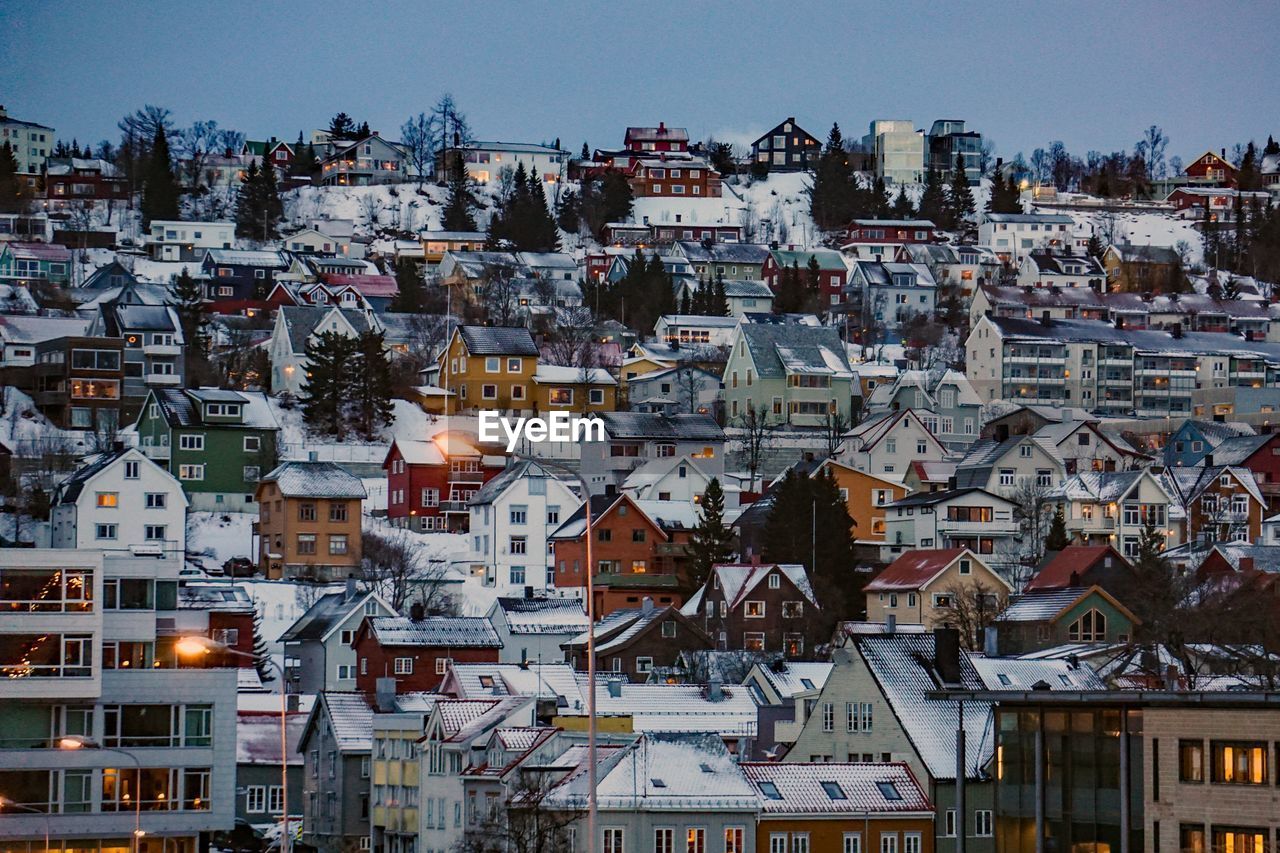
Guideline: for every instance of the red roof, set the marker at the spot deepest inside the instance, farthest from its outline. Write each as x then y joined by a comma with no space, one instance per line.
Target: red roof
1068,568
914,569
368,285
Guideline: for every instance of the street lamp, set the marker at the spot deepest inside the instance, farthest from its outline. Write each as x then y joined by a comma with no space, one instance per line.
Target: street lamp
196,646
72,742
6,802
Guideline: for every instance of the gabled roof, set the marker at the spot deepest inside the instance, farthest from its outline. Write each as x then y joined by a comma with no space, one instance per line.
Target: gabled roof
248,258
329,611
542,615
676,771
940,497
722,253
516,470
457,632
350,716
1067,567
784,349
802,788
916,569
315,480
498,340
301,322
656,427
1100,486
790,678
181,408
68,492
539,679
933,472
739,580
1047,605
1238,449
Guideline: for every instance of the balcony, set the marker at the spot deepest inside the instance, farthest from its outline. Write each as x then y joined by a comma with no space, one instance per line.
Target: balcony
1035,359
466,477
998,527
162,350
168,380
454,506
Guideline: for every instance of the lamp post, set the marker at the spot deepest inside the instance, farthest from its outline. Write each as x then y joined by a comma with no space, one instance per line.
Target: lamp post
6,802
591,642
78,742
195,646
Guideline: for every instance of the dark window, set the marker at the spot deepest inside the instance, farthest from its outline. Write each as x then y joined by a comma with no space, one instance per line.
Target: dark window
1190,761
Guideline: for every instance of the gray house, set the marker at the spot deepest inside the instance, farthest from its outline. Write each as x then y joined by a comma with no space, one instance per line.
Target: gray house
633,438
663,787
335,745
259,792
153,346
532,629
320,641
891,292
943,399
684,388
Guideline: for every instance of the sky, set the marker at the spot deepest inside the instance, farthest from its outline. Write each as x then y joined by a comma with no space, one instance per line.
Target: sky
1093,74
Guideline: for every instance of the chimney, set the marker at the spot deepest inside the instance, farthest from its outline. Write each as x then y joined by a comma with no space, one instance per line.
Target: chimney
384,695
312,456
293,703
646,605
662,128
715,689
1171,678
352,589
946,654
1177,330
615,687
890,623
1224,153
990,646
1045,319
1246,564
528,593
1208,460
417,612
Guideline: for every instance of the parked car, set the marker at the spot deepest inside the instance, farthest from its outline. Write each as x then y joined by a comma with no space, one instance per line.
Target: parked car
239,567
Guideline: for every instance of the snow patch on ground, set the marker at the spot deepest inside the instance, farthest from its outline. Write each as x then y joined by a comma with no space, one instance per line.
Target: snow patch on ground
215,537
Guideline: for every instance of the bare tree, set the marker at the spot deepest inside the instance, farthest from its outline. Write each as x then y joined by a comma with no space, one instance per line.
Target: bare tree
756,438
394,567
499,293
370,209
749,221
688,384
572,344
700,666
1033,510
525,823
417,139
447,126
1151,149
971,606
833,431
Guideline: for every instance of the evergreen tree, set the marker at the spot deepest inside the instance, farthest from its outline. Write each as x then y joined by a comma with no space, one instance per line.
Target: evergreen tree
160,189
14,193
959,196
880,204
342,126
272,205
544,235
790,298
305,163
1057,538
411,294
457,214
1248,177
249,203
261,652
813,282
831,194
686,307
719,304
586,152
933,200
1095,249
373,387
188,304
711,542
569,214
902,206
329,383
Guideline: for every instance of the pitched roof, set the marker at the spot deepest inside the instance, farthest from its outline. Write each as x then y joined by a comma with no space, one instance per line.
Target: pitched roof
1190,483
791,348
1237,449
543,615
321,617
801,788
914,569
1024,674
249,258
178,409
652,426
351,718
1042,605
315,480
723,253
301,321
791,677
738,580
1066,568
498,340
665,771
459,632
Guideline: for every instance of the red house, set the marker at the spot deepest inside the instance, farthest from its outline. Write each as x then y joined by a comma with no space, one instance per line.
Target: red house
675,176
74,178
430,482
1259,453
1079,566
1212,169
223,613
833,275
888,232
416,650
660,138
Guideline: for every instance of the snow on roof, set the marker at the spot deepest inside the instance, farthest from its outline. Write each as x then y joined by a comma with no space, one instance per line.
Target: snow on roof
38,251
249,258
676,771
435,631
914,569
543,615
739,580
258,738
799,788
1021,674
779,350
650,426
1041,605
464,719
177,409
1072,562
675,707
556,373
351,717
542,680
316,480
793,677
21,329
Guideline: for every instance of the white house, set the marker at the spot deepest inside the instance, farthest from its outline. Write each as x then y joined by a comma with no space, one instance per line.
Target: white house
532,629
885,445
511,517
1006,467
1012,236
957,518
690,330
485,161
172,240
314,242
121,501
1054,269
678,478
295,326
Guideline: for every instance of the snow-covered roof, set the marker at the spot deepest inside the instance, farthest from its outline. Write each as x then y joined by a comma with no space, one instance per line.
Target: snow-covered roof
1022,674
560,374
497,340
541,680
456,632
543,615
792,677
249,258
21,329
802,788
656,427
316,480
675,707
1041,605
176,406
351,718
258,738
739,580
790,348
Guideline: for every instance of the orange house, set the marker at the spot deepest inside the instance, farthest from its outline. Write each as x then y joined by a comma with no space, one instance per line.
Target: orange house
638,547
309,521
866,496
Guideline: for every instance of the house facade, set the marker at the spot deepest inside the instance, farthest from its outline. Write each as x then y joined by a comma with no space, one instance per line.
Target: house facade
757,608
120,501
175,240
793,374
969,518
786,148
336,747
318,645
886,445
416,650
428,481
921,587
309,521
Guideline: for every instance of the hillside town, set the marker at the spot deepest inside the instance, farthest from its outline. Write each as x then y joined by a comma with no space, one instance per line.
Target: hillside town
934,508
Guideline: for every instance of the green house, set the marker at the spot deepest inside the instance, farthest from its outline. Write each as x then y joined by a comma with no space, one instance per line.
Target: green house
1042,618
217,443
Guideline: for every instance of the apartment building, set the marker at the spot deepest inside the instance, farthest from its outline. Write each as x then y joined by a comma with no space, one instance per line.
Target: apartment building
103,737
1013,236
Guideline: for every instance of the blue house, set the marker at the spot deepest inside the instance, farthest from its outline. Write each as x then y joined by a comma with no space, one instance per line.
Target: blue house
236,274
106,277
1194,440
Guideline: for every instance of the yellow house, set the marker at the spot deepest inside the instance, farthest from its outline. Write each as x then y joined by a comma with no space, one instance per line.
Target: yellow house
924,587
436,243
497,368
394,763
866,496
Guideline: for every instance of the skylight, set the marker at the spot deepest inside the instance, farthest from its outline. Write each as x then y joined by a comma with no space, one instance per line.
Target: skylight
834,791
770,791
657,783
889,791
1004,679
706,768
808,685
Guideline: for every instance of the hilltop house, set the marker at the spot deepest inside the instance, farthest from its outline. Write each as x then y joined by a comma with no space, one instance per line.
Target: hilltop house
295,326
1049,269
635,438
786,148
237,275
217,443
429,482
971,518
366,162
29,263
889,294
1114,506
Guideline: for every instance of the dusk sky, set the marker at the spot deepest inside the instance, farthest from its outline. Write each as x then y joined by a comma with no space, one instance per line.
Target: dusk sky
1093,74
